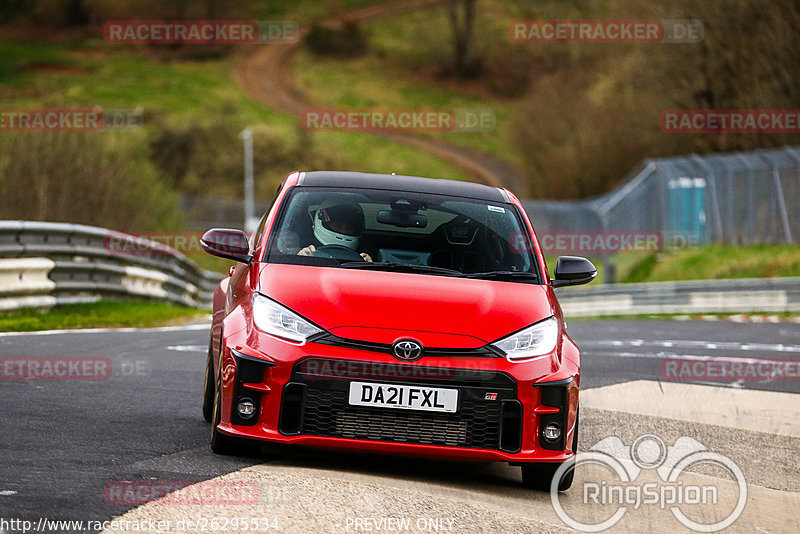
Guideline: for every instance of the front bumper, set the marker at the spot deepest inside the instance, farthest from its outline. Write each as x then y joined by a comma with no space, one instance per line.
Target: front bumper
300,393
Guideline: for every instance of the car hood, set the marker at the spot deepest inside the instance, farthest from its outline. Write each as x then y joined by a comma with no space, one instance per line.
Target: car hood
381,307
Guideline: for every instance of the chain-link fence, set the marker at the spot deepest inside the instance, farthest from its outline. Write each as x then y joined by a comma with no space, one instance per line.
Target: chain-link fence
740,198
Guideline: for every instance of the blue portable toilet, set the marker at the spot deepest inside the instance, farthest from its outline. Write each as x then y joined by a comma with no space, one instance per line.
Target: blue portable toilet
686,199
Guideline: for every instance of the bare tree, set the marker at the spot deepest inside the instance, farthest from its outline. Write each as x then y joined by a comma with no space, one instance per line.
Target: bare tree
462,18
595,116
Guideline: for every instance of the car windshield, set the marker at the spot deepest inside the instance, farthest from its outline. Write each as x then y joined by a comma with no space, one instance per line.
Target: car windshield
403,231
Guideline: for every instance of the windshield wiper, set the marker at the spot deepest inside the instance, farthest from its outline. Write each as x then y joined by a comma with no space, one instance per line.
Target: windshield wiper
498,275
400,267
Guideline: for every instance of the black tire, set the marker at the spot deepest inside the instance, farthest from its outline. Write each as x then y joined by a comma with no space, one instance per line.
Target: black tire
575,435
208,383
539,476
221,443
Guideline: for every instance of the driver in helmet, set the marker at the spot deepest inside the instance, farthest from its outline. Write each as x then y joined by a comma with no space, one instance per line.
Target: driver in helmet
337,223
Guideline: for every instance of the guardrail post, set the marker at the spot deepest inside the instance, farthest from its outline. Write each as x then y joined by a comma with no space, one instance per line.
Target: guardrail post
751,197
729,205
781,201
712,185
796,158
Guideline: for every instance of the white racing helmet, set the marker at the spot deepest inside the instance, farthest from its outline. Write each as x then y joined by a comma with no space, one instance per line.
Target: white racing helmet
339,222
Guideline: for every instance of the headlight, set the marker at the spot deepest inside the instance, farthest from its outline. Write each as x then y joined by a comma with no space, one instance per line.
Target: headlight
272,318
536,340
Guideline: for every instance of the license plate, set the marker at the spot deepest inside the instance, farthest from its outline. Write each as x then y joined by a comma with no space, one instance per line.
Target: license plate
404,397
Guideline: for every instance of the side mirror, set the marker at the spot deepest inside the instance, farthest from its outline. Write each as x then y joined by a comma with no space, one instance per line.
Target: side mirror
573,271
228,244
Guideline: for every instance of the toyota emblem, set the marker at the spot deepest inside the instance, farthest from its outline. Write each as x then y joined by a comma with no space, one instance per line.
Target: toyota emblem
407,350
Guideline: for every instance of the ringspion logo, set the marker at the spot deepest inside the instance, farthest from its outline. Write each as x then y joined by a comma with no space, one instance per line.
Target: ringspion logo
650,473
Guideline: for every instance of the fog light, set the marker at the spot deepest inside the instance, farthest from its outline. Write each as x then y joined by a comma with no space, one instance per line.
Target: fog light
246,408
552,432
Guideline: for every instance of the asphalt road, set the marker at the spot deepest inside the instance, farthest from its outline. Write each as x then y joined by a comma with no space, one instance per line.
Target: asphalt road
620,351
63,441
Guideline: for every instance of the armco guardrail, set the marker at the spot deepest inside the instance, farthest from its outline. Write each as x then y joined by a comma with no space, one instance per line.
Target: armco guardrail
43,264
686,297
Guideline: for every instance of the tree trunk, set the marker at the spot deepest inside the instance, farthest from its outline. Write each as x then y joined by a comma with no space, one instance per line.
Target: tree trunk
461,24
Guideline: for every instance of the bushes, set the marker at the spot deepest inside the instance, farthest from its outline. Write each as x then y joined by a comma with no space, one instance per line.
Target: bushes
125,182
97,178
347,41
205,157
594,116
199,157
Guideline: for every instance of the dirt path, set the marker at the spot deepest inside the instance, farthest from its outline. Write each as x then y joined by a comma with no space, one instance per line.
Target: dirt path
265,74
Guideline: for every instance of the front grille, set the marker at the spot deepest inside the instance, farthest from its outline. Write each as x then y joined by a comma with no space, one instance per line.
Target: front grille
319,407
328,414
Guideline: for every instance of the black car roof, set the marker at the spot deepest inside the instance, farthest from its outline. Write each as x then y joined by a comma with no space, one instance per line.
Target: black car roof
363,180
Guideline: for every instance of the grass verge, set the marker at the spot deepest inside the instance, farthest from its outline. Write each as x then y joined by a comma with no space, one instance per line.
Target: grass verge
396,73
173,91
709,262
714,262
784,316
105,313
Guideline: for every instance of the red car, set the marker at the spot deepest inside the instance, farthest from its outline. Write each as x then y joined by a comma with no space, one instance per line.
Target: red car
399,315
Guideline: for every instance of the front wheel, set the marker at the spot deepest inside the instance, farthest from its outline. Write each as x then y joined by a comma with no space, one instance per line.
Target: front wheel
208,383
222,443
539,476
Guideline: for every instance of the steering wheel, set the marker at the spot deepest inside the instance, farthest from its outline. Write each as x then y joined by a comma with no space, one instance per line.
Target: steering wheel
338,252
